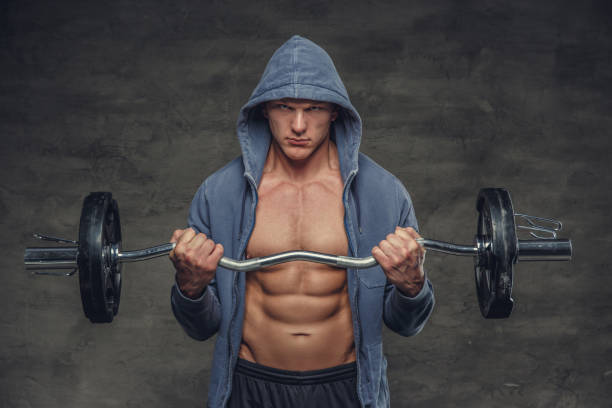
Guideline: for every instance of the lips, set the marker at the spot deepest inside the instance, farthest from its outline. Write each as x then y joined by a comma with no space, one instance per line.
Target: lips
298,142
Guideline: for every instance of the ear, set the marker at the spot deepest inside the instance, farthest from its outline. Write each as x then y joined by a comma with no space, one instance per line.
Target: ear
334,114
264,110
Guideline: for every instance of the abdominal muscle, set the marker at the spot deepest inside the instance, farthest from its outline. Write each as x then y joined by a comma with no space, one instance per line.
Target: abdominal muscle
297,317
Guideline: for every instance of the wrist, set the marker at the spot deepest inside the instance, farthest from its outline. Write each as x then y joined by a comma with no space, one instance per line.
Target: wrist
193,294
410,289
189,290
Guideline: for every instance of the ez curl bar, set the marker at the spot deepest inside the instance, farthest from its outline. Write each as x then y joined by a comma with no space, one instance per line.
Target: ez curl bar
98,256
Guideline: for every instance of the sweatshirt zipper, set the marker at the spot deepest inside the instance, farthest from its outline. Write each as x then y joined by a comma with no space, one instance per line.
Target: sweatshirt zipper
235,296
356,297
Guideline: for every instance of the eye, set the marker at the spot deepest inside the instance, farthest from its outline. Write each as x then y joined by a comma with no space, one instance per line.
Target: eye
283,106
316,108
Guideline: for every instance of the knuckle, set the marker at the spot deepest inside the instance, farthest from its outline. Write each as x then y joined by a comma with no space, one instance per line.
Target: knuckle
409,248
190,257
210,264
395,260
209,246
179,251
201,265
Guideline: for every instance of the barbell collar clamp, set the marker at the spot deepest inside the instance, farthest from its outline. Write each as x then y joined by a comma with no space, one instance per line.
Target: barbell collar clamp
544,250
51,258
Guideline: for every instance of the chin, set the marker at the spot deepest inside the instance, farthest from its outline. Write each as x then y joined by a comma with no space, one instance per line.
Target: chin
297,158
297,154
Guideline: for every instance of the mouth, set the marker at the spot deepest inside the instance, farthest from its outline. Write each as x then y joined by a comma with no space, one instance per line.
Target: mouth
298,142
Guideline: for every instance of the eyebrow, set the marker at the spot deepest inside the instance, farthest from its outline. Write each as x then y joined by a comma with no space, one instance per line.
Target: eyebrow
312,103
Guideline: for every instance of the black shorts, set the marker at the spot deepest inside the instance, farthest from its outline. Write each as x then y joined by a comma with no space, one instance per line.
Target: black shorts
258,386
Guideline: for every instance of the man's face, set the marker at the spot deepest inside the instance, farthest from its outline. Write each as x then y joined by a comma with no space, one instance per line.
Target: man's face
299,126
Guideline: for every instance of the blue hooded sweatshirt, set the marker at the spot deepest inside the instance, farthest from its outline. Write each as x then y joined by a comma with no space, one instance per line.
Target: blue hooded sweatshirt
375,202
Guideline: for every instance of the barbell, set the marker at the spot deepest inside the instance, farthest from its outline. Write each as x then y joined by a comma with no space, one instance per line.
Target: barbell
97,255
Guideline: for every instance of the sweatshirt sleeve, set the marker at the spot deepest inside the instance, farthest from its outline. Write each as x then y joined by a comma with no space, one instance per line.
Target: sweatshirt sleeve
403,314
200,317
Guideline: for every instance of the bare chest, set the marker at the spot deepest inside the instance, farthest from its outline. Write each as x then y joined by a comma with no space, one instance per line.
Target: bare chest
292,217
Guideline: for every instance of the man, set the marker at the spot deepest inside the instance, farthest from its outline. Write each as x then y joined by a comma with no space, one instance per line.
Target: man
300,334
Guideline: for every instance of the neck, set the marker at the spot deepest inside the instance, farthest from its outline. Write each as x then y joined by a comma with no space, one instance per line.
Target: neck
323,159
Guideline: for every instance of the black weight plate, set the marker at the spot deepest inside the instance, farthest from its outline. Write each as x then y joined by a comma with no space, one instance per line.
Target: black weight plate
99,273
493,267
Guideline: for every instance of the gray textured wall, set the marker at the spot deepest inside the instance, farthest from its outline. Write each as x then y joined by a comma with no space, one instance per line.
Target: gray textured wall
140,98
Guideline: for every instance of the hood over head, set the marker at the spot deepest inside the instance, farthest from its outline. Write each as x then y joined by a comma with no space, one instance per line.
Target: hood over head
299,69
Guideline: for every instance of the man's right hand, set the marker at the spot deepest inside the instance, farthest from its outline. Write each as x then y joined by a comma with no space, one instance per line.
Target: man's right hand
195,259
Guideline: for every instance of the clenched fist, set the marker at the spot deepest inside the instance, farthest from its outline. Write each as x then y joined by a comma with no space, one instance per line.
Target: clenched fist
401,258
195,259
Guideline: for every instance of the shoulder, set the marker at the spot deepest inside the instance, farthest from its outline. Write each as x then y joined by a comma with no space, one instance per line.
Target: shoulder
224,180
368,166
376,178
387,193
216,195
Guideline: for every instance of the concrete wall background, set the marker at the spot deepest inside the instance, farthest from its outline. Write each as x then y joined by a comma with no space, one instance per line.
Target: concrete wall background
140,98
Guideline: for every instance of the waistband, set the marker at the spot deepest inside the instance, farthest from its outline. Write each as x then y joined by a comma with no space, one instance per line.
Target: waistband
325,375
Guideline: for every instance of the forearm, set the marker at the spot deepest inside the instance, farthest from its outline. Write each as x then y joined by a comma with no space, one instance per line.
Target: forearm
199,317
407,315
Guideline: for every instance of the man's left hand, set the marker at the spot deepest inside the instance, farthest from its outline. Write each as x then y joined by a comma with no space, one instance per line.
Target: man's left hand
401,258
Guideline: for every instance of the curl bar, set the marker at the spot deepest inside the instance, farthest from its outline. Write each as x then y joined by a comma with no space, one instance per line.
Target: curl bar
98,255
65,257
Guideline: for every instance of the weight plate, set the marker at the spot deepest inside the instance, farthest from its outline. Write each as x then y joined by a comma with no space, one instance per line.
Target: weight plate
99,272
493,266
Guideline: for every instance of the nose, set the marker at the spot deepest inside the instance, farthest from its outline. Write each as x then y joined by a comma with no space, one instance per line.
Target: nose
298,124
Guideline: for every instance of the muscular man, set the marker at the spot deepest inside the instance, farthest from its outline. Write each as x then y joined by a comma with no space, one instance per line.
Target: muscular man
300,334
